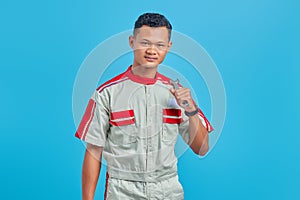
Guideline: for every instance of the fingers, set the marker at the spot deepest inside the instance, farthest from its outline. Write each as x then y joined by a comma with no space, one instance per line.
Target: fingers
172,90
181,95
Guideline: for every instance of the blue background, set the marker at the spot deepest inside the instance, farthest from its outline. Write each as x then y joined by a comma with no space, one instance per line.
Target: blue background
254,44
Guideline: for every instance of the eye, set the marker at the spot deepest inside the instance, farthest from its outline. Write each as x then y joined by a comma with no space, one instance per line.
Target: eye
161,46
145,43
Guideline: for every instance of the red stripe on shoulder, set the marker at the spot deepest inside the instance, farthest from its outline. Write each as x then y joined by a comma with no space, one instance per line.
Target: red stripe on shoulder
113,81
163,79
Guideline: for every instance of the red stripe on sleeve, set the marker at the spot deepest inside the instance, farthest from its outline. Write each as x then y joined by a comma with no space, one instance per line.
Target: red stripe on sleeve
86,119
209,128
89,122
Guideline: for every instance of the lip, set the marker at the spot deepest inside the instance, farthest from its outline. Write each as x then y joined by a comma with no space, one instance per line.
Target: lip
150,59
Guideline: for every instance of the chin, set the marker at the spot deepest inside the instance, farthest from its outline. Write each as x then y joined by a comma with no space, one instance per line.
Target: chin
151,64
148,65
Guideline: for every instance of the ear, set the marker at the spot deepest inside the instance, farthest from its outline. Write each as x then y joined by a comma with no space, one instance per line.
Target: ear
131,44
169,45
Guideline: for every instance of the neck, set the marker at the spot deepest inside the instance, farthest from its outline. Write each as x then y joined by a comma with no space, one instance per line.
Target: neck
144,71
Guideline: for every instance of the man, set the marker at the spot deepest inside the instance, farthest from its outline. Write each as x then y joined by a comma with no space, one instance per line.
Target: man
134,120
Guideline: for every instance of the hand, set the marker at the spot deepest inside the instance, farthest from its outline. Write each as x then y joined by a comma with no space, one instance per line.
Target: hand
184,94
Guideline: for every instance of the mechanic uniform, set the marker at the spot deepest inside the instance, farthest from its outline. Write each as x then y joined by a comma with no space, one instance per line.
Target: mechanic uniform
137,120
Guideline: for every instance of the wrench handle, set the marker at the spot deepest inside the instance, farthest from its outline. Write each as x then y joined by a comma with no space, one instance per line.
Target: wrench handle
175,83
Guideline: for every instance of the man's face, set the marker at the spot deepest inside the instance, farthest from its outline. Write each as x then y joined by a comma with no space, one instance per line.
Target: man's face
150,46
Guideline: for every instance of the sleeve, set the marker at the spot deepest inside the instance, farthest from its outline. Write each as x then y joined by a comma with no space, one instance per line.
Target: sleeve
94,124
184,126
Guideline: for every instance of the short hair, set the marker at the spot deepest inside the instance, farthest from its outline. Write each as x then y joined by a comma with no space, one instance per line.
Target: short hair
153,20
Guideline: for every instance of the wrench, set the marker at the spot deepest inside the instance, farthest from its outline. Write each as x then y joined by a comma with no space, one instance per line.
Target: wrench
175,83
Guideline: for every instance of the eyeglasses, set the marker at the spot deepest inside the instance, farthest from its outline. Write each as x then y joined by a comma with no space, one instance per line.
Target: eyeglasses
160,46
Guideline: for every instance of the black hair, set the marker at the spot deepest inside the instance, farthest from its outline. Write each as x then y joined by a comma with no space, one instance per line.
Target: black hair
153,20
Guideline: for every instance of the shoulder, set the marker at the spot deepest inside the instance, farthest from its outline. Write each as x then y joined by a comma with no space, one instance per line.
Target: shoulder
163,79
116,80
166,80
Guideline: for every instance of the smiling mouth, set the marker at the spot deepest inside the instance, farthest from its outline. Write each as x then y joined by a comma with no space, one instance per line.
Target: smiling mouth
150,59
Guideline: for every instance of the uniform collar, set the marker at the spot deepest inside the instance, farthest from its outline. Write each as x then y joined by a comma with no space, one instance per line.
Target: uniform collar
139,79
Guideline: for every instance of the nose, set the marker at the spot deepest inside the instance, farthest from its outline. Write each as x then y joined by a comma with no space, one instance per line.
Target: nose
151,50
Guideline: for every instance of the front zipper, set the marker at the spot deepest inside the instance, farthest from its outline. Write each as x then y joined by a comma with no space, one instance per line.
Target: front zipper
146,118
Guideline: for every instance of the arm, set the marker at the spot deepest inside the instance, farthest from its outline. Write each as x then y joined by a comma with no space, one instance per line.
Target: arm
198,136
198,133
90,171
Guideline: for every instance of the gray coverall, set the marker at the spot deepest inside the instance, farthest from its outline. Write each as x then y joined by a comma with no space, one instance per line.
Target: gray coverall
137,120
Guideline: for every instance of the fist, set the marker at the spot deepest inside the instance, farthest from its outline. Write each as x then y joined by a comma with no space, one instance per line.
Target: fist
184,95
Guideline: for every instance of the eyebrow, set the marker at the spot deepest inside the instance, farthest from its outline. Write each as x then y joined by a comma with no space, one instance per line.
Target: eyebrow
151,42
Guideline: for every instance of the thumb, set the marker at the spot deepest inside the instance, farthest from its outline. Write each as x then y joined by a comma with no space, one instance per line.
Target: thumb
172,90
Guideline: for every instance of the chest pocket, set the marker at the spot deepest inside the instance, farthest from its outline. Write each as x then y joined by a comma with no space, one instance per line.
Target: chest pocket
123,129
172,117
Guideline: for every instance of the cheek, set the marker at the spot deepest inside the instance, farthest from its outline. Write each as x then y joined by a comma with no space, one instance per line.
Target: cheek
162,55
138,53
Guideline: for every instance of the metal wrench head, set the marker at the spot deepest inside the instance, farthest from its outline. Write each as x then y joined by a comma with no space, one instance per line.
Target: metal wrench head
175,83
